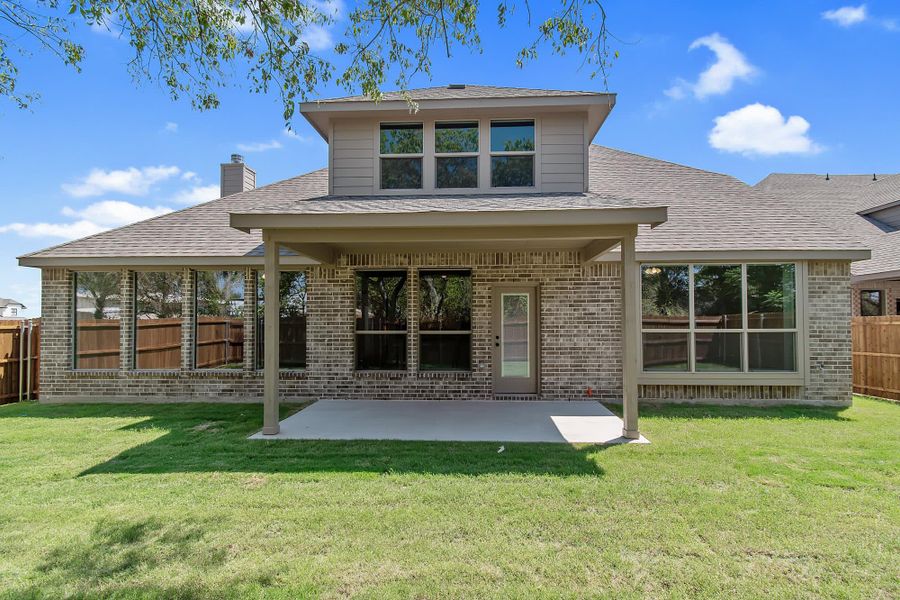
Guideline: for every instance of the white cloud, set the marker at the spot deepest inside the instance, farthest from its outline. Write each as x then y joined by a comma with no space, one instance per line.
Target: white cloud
317,38
730,66
293,135
66,231
197,194
758,129
259,146
170,127
189,176
847,16
115,213
131,181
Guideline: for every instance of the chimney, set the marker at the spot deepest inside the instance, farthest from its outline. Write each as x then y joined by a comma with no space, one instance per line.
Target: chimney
236,177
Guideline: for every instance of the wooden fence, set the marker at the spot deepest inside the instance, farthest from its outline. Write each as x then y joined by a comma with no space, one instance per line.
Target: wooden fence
19,360
876,356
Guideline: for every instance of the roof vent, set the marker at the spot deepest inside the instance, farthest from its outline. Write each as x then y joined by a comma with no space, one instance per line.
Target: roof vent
874,177
237,159
456,86
827,177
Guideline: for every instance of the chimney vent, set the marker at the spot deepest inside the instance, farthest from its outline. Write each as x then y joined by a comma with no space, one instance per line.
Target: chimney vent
236,177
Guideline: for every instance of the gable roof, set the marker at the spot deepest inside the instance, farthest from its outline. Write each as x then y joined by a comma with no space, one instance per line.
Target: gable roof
707,212
5,302
838,202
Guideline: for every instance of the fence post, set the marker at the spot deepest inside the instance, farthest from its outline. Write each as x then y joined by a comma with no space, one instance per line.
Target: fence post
29,328
21,356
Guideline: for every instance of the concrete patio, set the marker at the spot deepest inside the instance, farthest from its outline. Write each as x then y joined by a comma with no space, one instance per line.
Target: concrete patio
454,421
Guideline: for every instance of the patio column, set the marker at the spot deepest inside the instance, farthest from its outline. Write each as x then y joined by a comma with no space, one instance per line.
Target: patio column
630,338
271,335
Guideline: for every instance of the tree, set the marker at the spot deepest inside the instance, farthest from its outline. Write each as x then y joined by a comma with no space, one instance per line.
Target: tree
102,287
195,48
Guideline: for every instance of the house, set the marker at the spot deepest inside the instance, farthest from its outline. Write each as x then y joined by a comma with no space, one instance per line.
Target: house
478,247
11,309
868,208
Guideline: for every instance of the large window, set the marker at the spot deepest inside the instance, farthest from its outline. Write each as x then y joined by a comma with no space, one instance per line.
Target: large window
445,321
158,302
291,320
400,156
98,308
219,328
871,303
512,153
719,318
381,306
456,155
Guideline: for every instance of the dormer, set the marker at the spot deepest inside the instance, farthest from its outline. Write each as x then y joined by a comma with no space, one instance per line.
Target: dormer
459,139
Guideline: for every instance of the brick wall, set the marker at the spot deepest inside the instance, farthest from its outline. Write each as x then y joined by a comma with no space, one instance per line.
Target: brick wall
580,339
890,292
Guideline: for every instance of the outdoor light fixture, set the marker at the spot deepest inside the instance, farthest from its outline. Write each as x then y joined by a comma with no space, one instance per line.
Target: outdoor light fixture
653,271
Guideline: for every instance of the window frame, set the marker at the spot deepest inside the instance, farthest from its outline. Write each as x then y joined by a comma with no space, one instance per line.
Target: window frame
797,377
420,156
195,318
73,354
881,305
404,332
420,332
185,283
259,323
504,153
435,155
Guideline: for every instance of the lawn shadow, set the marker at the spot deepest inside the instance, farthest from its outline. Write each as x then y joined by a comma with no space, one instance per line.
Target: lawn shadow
688,410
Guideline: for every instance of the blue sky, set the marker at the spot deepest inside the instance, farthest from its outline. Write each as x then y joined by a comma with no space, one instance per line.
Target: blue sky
741,88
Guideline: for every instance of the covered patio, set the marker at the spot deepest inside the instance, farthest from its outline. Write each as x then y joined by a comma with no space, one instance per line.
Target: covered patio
454,421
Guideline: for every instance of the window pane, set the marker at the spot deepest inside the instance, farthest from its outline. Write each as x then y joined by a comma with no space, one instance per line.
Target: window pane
98,307
445,352
512,171
158,298
401,173
456,172
456,137
512,136
219,335
445,301
772,352
664,297
717,351
381,301
870,304
771,297
291,320
717,296
401,138
380,352
514,339
665,351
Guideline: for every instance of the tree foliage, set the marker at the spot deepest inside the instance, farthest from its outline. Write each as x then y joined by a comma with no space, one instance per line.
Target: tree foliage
193,49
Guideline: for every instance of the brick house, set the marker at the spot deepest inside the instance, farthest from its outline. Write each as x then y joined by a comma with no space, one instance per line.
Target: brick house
479,247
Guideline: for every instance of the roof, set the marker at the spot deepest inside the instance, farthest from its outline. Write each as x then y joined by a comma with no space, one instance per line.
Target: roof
461,92
4,302
707,212
836,201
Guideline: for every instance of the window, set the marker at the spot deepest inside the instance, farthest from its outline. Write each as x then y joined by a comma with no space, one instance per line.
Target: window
400,151
291,320
456,155
871,303
381,320
13,311
219,326
98,308
719,318
512,153
157,299
445,321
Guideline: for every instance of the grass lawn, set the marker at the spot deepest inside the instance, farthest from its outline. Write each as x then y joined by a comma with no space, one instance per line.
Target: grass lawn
172,501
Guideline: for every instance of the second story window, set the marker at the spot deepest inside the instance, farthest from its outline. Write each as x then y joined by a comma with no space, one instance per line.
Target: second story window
400,155
456,155
512,153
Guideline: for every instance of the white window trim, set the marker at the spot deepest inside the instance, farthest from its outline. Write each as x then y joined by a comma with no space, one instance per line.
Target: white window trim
799,377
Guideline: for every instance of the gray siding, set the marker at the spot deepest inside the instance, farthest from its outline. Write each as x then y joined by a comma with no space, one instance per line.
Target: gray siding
887,216
562,156
353,157
236,178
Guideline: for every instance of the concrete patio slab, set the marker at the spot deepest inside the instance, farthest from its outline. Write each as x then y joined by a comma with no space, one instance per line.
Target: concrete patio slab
580,422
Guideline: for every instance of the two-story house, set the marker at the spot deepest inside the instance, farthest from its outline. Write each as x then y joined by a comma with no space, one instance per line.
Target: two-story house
477,247
11,309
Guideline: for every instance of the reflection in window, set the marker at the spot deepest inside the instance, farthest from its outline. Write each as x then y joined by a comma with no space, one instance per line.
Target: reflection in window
98,308
666,352
219,329
401,138
717,296
401,172
445,320
665,300
512,171
515,339
512,153
871,303
771,296
381,305
718,351
292,318
512,136
158,303
455,138
456,171
772,351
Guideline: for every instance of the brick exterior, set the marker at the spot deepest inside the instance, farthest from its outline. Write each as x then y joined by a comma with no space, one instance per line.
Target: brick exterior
580,339
890,291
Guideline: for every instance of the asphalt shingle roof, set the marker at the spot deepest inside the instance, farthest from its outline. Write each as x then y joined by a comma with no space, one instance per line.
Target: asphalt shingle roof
461,93
707,212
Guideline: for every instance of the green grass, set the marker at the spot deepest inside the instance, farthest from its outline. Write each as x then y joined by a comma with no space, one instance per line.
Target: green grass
172,501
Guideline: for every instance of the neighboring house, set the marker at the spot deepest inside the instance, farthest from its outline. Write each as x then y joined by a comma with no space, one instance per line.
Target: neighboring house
11,309
478,248
867,207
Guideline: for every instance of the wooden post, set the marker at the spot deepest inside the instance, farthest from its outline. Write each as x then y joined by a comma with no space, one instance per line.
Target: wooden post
630,331
21,357
272,311
28,343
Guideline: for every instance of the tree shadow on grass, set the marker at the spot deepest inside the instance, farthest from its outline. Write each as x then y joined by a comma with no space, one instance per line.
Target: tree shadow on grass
711,411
